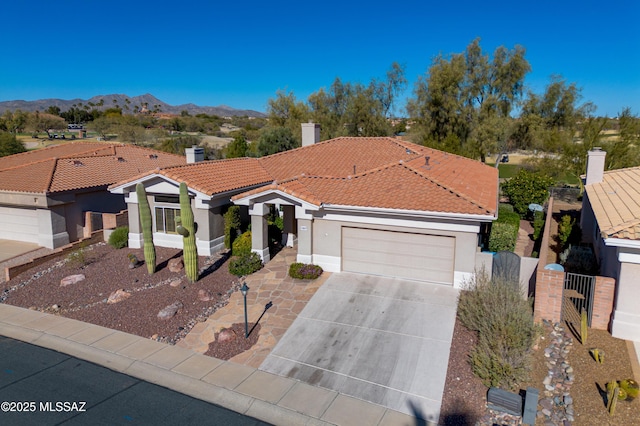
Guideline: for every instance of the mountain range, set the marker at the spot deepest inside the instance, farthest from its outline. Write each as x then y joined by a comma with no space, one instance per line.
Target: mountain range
124,101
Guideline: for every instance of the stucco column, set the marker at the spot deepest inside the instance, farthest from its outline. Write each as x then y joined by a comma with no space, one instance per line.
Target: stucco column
135,231
52,227
305,241
289,230
259,230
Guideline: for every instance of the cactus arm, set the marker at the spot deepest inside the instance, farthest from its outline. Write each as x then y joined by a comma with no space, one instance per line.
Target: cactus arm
190,251
147,231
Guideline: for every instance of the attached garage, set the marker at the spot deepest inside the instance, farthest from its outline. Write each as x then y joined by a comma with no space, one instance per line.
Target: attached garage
399,254
19,224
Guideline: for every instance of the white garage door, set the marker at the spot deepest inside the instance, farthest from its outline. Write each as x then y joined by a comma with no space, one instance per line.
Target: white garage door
398,254
19,224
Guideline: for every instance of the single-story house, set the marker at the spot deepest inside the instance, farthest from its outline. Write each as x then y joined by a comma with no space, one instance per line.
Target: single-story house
44,193
610,221
377,205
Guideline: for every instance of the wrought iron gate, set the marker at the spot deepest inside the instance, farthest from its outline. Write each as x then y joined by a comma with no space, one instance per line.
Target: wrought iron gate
576,296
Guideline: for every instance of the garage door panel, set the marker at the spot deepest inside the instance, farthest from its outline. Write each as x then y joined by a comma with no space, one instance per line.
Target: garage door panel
19,224
406,255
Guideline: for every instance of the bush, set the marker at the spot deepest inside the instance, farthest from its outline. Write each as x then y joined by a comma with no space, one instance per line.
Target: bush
507,215
579,260
242,245
503,319
538,224
232,224
119,238
304,271
565,227
503,237
245,265
526,188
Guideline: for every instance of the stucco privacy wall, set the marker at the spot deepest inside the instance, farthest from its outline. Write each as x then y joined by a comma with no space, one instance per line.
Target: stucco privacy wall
626,318
327,240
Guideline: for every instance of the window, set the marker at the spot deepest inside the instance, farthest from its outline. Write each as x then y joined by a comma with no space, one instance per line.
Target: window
166,219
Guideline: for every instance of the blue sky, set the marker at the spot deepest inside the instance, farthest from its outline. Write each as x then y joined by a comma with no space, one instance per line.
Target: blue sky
240,53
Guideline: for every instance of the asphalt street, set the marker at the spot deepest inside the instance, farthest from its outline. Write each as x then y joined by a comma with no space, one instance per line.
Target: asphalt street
44,387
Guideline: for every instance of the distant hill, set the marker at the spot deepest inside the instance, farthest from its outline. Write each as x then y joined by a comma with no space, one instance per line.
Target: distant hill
121,101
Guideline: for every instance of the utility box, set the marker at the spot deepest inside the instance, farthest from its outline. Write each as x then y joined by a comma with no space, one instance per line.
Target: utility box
504,401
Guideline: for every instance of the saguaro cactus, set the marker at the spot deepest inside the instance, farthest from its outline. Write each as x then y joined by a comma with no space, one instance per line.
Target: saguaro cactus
190,251
147,231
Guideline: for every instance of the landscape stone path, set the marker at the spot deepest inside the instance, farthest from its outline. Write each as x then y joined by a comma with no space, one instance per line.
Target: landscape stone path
271,284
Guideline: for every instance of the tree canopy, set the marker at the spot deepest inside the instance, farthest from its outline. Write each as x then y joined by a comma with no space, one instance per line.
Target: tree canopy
10,145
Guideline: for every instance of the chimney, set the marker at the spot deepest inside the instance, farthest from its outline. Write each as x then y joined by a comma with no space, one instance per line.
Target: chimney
310,133
194,154
595,165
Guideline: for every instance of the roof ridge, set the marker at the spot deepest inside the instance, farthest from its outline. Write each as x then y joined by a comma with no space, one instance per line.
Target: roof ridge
51,175
18,166
621,227
446,187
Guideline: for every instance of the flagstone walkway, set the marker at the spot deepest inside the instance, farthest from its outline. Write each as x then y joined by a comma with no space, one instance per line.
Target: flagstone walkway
271,284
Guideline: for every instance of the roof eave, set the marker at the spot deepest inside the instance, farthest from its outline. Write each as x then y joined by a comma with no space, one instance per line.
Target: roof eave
412,213
621,242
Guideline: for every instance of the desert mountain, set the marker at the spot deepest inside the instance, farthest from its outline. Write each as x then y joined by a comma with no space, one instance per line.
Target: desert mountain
127,103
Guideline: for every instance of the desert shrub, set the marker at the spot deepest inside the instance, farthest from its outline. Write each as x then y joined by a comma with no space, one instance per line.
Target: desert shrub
119,238
525,188
538,224
304,271
78,257
503,237
565,227
242,245
503,319
579,260
245,265
232,224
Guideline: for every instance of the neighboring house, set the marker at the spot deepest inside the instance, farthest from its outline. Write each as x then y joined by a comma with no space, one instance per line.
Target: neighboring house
611,222
375,205
45,193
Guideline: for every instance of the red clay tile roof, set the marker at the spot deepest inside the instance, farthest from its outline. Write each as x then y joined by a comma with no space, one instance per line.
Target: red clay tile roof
78,165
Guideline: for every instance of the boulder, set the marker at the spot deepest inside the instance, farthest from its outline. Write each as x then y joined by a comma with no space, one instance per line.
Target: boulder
204,295
227,335
175,283
176,265
71,279
118,296
169,311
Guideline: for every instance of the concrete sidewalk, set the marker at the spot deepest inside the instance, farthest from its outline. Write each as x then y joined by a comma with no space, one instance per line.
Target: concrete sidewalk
267,397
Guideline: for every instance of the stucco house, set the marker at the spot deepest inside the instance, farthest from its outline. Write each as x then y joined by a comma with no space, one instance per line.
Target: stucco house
610,220
376,205
44,193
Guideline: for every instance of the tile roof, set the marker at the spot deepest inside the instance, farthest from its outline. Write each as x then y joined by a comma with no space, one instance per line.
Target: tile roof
374,171
80,165
616,203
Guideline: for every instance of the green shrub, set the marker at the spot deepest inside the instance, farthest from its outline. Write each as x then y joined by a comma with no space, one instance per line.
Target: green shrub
245,265
579,260
526,188
304,271
242,245
538,224
119,238
565,227
503,319
503,237
507,215
232,224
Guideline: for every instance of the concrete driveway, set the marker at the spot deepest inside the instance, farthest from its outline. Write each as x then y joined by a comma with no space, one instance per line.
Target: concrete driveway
378,339
10,249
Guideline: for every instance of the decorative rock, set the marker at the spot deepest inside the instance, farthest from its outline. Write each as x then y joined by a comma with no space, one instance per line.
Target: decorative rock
118,296
170,311
176,265
204,295
175,283
71,279
226,335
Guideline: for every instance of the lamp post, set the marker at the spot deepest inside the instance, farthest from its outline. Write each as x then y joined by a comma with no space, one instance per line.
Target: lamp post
244,289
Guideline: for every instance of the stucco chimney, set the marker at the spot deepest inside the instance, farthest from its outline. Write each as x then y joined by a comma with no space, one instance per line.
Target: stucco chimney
595,165
194,154
310,133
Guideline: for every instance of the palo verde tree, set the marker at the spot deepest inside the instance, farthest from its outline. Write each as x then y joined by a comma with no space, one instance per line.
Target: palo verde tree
464,102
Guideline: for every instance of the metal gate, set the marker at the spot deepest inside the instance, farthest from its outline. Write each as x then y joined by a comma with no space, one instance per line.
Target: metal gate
576,296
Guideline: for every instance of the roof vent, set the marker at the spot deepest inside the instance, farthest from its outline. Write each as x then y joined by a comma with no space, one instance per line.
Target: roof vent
426,160
77,163
408,151
121,160
153,156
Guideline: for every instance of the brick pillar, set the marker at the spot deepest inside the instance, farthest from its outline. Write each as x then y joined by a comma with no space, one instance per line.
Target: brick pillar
603,296
548,298
88,225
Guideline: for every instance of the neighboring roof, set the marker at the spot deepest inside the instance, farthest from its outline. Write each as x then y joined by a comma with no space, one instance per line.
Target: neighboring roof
372,171
616,203
78,165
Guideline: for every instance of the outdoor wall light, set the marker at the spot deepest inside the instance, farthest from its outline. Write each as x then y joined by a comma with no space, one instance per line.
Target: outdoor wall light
244,289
